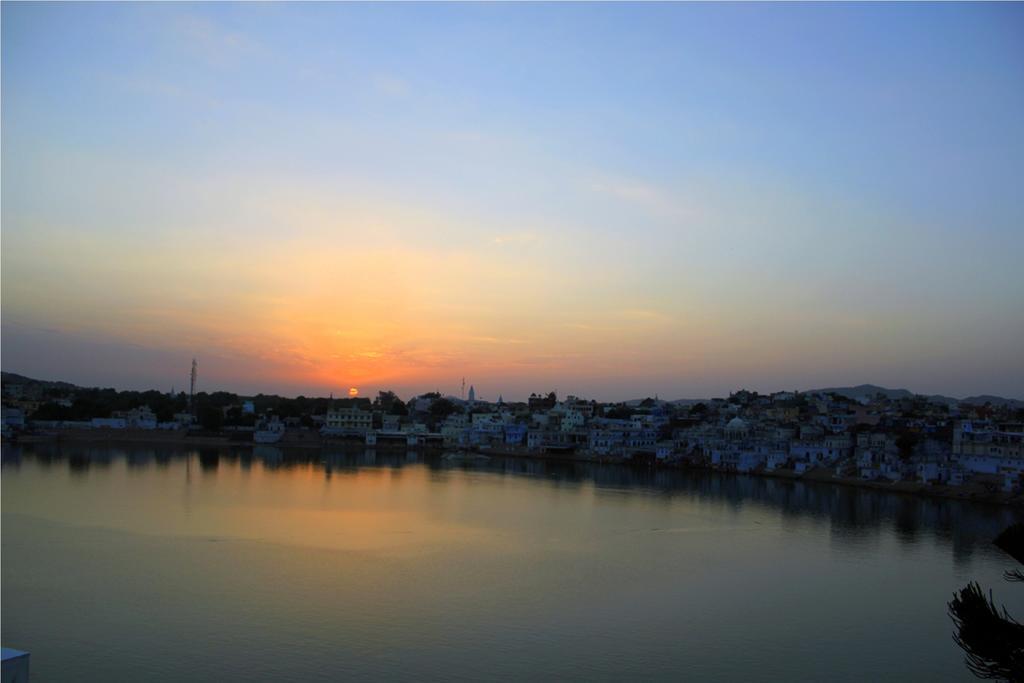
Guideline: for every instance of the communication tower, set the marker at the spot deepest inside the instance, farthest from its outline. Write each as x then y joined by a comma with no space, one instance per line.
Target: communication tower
192,384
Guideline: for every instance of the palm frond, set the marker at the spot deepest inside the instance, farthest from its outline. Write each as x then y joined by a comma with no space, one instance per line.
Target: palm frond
992,641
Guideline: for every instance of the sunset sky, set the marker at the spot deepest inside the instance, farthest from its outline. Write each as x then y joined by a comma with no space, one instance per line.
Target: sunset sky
607,200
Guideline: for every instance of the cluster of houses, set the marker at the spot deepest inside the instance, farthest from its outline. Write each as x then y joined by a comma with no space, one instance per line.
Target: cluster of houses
140,417
869,438
877,438
948,451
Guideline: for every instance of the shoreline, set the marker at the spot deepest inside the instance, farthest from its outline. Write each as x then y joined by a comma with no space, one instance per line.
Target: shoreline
971,492
966,493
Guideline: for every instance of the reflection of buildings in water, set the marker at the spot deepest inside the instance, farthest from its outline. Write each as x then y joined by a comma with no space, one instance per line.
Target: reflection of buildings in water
209,460
140,457
270,456
79,464
10,455
856,516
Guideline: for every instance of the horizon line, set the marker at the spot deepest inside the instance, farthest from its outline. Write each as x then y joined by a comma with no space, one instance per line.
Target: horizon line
342,395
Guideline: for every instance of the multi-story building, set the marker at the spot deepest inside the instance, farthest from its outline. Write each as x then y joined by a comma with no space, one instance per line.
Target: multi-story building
349,418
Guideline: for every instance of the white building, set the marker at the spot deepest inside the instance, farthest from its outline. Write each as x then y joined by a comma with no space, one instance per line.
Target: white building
108,423
572,420
14,418
137,418
349,419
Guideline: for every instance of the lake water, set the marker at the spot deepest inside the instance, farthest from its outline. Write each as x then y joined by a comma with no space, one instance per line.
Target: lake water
149,564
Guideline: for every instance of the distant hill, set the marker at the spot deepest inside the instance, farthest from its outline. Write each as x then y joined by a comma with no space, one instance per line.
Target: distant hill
866,391
859,392
634,402
13,378
994,400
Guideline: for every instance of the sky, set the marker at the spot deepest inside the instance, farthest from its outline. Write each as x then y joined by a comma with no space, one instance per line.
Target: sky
607,200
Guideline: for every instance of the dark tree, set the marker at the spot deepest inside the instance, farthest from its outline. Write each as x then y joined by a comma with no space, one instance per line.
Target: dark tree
385,399
442,408
236,417
619,412
52,411
388,402
991,639
211,417
1011,542
906,442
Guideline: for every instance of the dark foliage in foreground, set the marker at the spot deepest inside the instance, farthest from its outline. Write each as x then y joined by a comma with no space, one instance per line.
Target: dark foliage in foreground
992,640
1011,542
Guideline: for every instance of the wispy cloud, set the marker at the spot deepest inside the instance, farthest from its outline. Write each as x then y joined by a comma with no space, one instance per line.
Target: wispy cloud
156,88
213,43
496,340
518,237
653,199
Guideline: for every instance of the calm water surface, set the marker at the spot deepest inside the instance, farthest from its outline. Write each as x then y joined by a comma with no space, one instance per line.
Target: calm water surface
174,564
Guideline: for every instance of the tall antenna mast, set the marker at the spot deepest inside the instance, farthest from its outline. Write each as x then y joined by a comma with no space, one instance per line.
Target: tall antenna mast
463,395
192,385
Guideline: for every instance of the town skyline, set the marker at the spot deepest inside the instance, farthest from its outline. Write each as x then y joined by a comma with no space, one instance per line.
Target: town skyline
862,435
863,390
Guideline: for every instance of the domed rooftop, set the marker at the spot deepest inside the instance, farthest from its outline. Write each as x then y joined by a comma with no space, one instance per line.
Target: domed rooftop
736,424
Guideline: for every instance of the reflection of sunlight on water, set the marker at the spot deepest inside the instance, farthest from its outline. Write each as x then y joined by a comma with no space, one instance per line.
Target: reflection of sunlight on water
695,530
586,567
357,500
377,510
